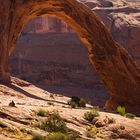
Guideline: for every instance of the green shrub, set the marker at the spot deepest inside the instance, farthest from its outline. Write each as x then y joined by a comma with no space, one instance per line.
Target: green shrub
41,112
130,115
73,105
109,120
12,104
76,101
96,108
110,4
50,103
73,136
121,110
2,124
91,132
38,137
90,115
57,136
55,123
51,96
82,102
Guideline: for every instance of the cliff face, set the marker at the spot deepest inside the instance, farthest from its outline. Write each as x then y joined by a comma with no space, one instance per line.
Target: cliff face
122,19
45,25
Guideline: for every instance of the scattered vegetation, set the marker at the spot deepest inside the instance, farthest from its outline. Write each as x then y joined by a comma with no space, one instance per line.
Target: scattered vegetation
73,105
109,120
57,136
22,129
12,104
38,137
120,110
12,132
77,102
110,4
50,103
55,123
41,112
90,115
72,135
2,125
51,96
130,115
82,102
91,131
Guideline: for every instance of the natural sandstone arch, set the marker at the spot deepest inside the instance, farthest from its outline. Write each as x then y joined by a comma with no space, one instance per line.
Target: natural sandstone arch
112,62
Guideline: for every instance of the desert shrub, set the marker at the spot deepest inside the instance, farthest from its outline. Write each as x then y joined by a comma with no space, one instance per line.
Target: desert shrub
73,136
110,4
91,132
12,104
2,124
90,115
51,96
96,108
76,101
109,120
50,103
38,137
22,129
73,105
55,123
41,112
130,115
57,136
82,102
120,110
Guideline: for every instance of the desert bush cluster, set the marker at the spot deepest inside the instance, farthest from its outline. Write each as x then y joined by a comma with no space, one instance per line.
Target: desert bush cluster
77,102
121,110
56,127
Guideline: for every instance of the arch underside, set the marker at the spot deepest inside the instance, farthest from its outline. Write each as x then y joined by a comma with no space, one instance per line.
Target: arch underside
112,62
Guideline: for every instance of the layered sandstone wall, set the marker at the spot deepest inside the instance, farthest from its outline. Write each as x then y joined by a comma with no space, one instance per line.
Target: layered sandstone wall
46,24
122,19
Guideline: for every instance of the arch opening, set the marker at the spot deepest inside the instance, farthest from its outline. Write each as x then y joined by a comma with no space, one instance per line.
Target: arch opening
50,55
113,63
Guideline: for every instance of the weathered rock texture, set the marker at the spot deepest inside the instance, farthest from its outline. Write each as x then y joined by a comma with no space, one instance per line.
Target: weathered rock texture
113,63
47,24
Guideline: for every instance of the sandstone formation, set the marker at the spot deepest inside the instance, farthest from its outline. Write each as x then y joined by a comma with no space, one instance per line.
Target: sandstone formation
113,63
121,18
46,24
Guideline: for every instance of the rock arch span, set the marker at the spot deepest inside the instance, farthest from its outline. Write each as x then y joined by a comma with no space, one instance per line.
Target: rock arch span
114,65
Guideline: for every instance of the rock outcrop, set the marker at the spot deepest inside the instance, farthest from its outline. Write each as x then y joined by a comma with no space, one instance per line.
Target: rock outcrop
113,63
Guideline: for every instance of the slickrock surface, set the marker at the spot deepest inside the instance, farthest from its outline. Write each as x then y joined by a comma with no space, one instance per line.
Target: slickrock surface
20,122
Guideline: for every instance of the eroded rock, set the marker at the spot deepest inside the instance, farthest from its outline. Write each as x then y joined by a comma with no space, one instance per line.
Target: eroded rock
113,63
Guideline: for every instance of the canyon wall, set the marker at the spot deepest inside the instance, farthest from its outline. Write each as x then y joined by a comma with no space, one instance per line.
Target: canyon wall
121,19
42,35
45,25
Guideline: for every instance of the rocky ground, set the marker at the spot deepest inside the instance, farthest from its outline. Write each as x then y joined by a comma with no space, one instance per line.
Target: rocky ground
20,122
